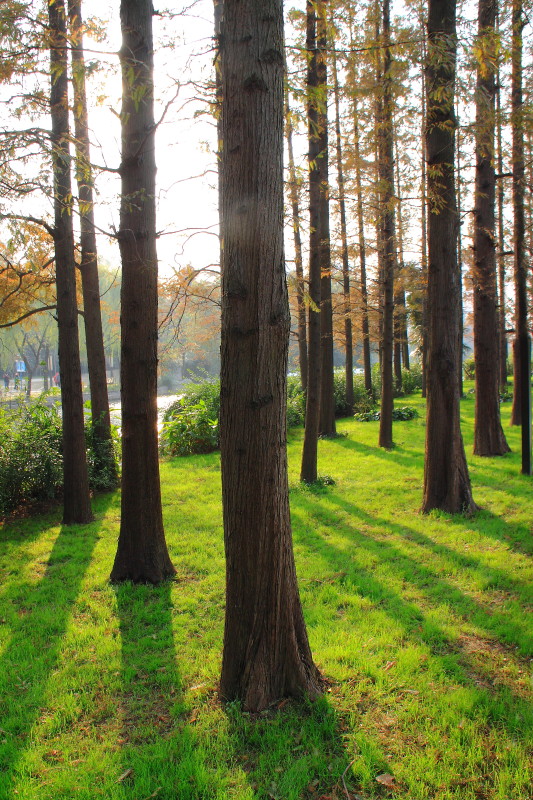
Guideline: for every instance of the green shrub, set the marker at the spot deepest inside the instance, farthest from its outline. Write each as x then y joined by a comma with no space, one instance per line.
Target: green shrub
362,401
103,459
190,424
31,455
398,414
411,379
469,369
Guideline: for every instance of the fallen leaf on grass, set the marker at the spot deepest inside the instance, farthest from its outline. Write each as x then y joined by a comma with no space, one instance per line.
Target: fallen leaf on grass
389,665
386,779
125,775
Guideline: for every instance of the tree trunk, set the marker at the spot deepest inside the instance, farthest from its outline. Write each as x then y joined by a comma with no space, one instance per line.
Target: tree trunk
266,652
362,252
489,439
142,554
401,339
94,338
309,472
300,284
327,392
348,339
502,326
446,478
386,181
76,498
424,228
521,414
460,345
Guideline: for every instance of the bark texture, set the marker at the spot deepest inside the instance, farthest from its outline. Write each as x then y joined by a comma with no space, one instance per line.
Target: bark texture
489,439
94,338
266,651
446,478
142,554
309,472
521,414
76,499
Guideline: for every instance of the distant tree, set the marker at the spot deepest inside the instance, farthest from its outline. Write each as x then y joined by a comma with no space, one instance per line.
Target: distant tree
92,317
489,439
76,499
446,478
266,651
142,554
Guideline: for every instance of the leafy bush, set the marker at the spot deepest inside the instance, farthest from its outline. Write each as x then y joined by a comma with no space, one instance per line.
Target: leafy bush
102,459
362,400
398,414
31,455
411,379
469,369
190,424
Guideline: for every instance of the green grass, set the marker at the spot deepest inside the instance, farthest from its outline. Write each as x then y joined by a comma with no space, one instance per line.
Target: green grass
422,626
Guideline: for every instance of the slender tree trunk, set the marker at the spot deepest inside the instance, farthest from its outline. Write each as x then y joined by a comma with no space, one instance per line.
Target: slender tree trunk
502,325
309,472
521,414
460,345
76,499
298,259
489,439
266,651
386,170
348,338
401,338
446,478
424,228
362,252
327,392
94,338
142,554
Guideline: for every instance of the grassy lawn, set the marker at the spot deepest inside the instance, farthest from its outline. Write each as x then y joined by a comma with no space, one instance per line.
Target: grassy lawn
422,626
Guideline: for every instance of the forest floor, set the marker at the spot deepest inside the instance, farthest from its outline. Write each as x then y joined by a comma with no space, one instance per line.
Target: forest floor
422,626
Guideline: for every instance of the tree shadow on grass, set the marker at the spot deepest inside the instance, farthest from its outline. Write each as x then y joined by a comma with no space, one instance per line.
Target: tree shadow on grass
36,615
398,454
456,660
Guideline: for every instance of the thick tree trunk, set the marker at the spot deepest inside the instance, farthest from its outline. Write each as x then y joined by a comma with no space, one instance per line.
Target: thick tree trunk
76,499
489,439
521,414
388,244
94,338
300,283
348,338
424,229
266,652
327,392
142,554
446,479
309,472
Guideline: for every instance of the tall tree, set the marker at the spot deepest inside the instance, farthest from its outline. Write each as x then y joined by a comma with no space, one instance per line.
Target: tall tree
327,395
387,233
92,316
347,306
502,326
521,414
298,257
309,472
76,499
446,478
142,554
489,439
266,651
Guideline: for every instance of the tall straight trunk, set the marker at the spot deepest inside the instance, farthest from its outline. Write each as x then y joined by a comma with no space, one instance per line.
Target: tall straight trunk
460,345
401,339
327,392
521,414
309,471
94,338
266,651
446,478
424,227
502,325
388,243
298,259
365,326
489,439
142,554
76,498
348,338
